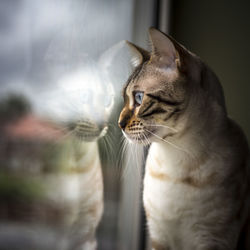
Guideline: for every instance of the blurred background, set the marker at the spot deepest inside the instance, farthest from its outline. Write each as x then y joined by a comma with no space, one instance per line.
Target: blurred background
66,178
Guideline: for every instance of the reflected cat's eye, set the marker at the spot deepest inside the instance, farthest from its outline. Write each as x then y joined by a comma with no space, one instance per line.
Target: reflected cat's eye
138,98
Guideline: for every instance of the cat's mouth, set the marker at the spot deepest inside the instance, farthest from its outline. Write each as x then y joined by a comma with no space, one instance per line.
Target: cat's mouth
87,131
138,136
147,133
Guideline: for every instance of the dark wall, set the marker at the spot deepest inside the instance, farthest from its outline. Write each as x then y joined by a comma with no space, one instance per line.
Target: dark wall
219,32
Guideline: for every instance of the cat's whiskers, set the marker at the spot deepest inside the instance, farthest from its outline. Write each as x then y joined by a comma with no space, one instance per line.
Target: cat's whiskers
107,148
135,152
105,143
111,152
108,143
112,125
140,154
147,141
110,136
128,153
170,143
142,140
123,148
160,125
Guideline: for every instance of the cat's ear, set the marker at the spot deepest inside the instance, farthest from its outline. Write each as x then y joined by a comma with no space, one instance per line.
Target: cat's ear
139,55
165,49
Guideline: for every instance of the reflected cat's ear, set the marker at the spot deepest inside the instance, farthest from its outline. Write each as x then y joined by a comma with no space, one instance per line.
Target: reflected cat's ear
166,49
139,55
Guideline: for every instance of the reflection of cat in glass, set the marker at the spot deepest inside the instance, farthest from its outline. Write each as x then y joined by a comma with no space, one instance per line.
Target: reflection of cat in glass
68,204
84,113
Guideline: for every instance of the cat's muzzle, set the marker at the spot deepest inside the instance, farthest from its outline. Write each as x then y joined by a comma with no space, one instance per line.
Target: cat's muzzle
88,131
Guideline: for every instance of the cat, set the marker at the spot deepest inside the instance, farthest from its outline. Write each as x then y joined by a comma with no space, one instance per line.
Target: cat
196,183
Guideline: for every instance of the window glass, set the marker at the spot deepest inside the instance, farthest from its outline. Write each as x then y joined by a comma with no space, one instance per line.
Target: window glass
63,65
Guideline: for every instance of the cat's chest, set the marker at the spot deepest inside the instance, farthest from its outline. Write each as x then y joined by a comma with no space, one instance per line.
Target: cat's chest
170,190
169,202
163,196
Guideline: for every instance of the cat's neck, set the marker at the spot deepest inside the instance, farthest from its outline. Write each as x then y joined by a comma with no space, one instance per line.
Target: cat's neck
177,158
194,144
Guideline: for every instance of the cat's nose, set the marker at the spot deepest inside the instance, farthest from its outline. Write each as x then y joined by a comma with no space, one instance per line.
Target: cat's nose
122,124
124,118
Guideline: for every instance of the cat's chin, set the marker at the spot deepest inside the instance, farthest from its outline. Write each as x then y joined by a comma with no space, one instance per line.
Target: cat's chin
141,139
148,136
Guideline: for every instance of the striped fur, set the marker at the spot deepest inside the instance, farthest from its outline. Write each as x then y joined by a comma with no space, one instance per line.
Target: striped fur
196,184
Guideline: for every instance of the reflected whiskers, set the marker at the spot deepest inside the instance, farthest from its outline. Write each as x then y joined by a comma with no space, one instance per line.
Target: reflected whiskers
121,157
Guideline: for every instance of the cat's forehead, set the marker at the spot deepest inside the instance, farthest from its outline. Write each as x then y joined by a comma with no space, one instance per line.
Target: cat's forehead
144,84
151,78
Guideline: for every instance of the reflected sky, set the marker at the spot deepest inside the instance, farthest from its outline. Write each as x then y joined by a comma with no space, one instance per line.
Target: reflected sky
41,39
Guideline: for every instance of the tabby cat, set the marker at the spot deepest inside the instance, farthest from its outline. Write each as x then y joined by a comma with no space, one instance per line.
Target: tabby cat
196,184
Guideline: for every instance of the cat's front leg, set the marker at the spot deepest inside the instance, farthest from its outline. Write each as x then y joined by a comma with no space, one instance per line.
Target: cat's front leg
90,245
157,246
85,244
215,247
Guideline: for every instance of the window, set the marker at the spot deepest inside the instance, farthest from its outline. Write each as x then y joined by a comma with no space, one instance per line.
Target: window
62,71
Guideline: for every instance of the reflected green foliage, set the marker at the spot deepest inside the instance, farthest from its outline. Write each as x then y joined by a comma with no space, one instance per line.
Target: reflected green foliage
54,158
22,188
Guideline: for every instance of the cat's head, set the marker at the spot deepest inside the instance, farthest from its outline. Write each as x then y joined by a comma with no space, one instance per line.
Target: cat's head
86,103
80,102
169,91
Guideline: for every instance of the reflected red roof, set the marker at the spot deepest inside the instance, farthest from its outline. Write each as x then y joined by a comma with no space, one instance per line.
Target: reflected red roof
32,128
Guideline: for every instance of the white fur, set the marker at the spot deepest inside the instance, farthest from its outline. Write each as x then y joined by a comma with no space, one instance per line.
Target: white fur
182,216
196,181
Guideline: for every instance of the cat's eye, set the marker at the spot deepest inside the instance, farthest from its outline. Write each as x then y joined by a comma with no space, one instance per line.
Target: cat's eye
138,98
